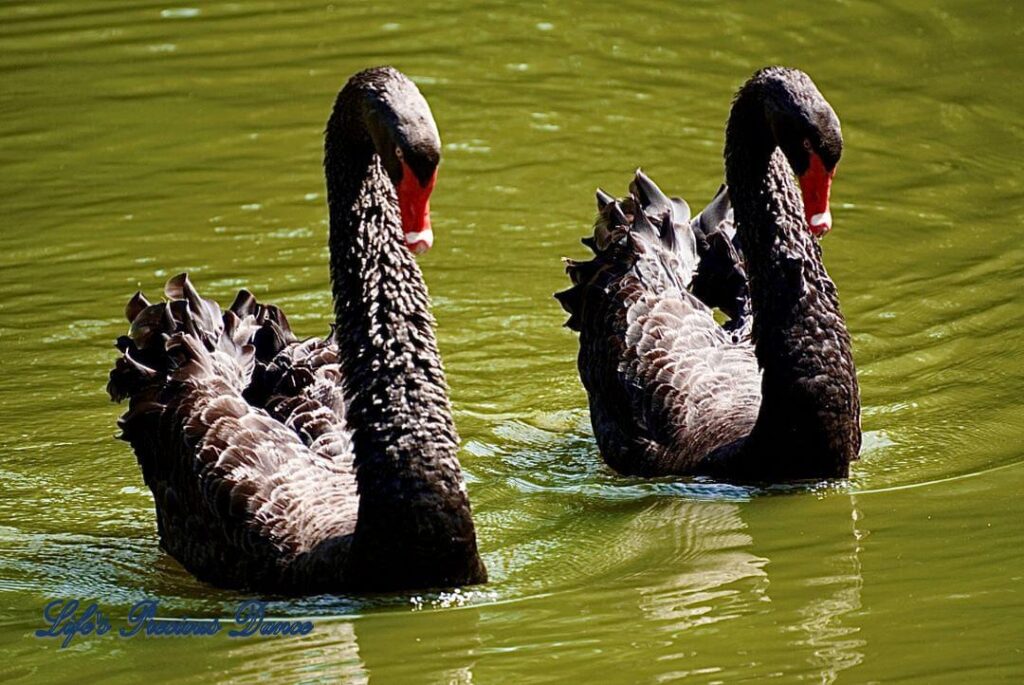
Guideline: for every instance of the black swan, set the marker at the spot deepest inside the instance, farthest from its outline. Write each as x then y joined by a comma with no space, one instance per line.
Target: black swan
312,466
771,395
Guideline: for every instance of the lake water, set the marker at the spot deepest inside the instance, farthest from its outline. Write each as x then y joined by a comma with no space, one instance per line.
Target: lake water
141,141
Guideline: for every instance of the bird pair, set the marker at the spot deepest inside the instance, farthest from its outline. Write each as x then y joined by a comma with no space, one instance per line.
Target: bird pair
288,465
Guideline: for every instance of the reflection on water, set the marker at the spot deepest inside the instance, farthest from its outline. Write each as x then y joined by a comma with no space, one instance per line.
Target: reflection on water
671,573
703,590
743,578
366,651
837,645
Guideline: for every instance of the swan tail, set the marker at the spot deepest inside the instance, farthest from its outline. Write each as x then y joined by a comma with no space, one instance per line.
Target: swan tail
646,230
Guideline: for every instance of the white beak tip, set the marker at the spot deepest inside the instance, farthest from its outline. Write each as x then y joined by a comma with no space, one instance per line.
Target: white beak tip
419,242
823,219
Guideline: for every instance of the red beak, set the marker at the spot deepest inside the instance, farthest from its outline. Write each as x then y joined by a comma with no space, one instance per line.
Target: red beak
816,185
414,203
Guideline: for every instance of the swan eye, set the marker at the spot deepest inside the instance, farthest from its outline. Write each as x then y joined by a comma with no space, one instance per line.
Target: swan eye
398,153
807,145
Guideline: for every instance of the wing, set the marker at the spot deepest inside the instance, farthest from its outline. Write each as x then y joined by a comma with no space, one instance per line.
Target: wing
246,496
667,384
721,277
298,382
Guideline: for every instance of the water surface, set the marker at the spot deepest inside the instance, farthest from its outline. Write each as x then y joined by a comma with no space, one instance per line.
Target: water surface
141,141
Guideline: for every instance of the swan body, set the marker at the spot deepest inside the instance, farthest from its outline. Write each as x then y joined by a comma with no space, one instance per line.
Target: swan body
322,465
771,395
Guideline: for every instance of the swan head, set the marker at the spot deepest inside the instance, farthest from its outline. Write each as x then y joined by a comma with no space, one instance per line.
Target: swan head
405,137
807,131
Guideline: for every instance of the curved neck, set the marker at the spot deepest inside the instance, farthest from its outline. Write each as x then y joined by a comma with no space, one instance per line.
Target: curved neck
414,518
810,407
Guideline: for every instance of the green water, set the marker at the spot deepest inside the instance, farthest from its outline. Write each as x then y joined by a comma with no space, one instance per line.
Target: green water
137,142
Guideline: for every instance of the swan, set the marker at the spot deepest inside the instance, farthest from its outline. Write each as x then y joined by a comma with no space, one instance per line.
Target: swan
771,395
308,466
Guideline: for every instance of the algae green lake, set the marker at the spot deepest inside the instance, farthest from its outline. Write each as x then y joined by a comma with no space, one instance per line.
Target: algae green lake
142,139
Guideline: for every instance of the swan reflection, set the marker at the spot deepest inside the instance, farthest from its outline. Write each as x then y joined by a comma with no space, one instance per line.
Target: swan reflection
789,592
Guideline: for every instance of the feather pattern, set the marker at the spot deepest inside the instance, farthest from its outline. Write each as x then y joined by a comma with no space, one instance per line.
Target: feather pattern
265,493
721,278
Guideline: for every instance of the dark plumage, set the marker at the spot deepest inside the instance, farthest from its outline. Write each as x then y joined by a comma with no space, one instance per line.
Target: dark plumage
771,395
311,466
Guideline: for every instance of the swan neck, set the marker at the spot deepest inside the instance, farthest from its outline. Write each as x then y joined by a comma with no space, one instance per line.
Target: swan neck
810,400
413,508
